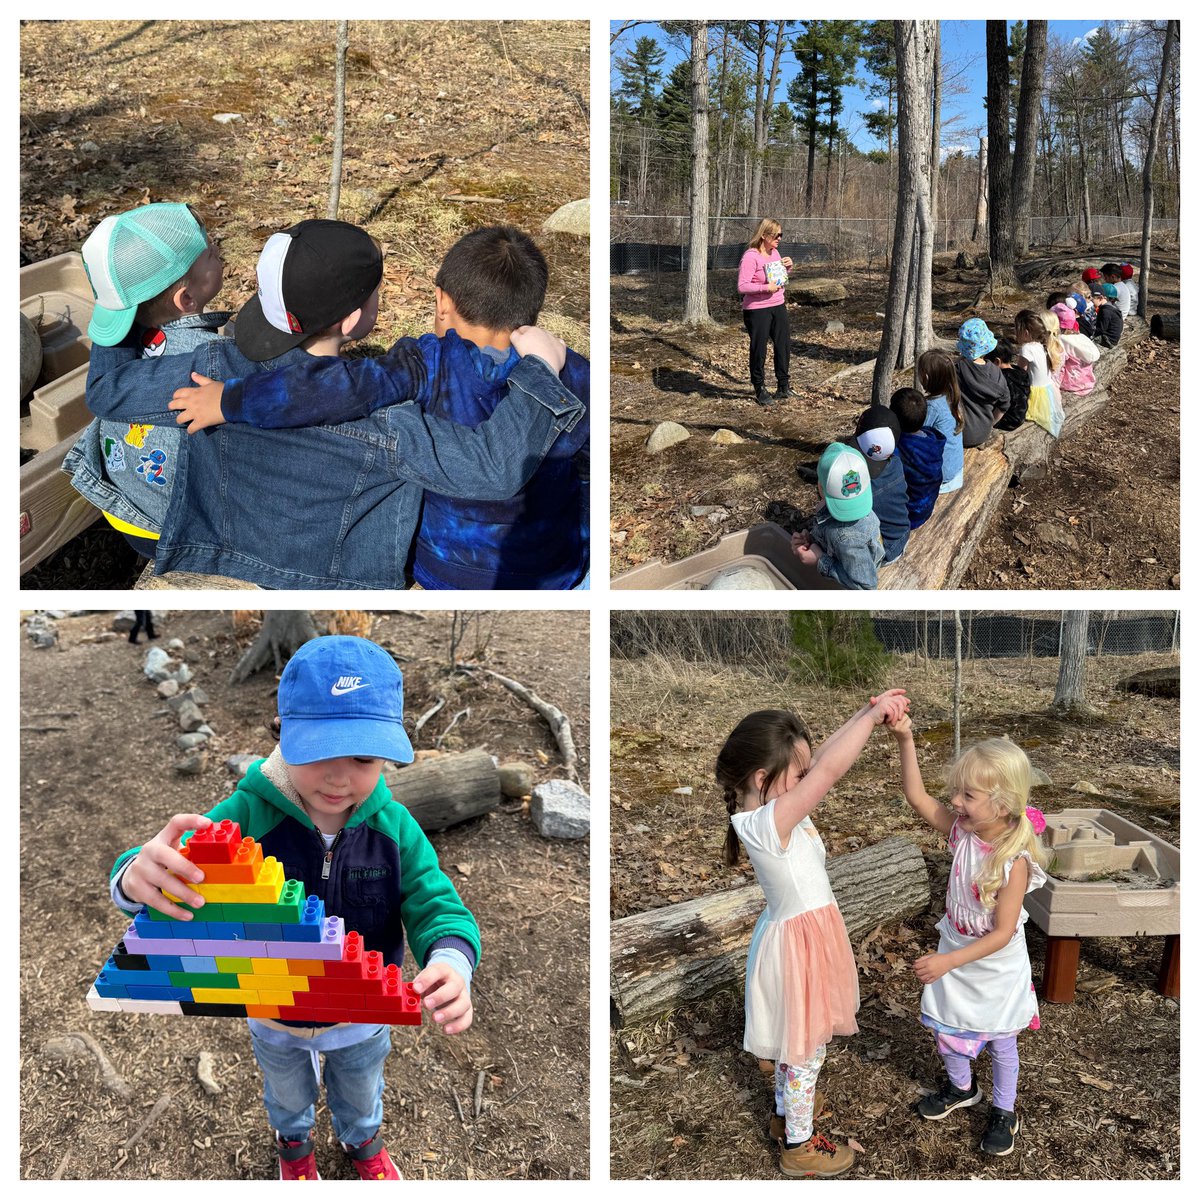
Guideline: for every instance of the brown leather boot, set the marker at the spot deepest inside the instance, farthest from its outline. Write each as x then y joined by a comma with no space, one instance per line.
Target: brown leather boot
821,1112
818,1157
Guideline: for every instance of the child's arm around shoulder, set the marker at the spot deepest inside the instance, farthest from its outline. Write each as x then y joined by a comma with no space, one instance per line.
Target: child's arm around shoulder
123,386
833,759
925,806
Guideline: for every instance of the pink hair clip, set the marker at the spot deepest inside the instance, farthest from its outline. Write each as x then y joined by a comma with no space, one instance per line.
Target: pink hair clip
1036,818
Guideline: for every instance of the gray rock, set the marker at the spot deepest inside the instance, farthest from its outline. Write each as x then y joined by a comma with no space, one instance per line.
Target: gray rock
708,510
834,327
88,148
726,437
516,779
177,701
239,764
160,674
560,809
55,614
31,355
226,118
193,764
574,218
190,717
156,660
189,741
206,730
199,695
124,621
1089,789
1039,778
667,434
175,646
183,674
168,687
43,639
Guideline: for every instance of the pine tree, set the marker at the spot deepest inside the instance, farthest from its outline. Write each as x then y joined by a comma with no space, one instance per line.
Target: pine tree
640,78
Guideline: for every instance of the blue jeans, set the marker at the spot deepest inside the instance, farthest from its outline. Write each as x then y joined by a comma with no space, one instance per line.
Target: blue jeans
353,1086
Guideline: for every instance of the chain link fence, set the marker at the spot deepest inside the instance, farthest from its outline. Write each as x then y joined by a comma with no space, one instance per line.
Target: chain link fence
650,244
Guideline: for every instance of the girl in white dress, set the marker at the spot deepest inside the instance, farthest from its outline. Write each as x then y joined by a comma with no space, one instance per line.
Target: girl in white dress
801,981
978,990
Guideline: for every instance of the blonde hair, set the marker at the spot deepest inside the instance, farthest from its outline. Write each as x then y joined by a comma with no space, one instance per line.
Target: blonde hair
1000,770
1055,351
767,228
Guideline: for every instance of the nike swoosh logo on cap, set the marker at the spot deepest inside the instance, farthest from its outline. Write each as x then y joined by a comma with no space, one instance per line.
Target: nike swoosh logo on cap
347,683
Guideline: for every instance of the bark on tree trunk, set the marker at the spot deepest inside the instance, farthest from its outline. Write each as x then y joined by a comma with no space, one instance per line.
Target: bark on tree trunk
981,198
1000,242
1164,77
695,308
339,122
1033,71
957,696
283,632
1072,662
675,955
914,64
441,792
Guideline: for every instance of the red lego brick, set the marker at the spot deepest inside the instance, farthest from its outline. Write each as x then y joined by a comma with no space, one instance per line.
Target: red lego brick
351,964
217,844
330,985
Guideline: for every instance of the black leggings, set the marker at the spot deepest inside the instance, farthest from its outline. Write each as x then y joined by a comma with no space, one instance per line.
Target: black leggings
768,325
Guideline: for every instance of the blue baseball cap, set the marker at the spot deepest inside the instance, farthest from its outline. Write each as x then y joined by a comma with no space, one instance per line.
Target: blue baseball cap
342,697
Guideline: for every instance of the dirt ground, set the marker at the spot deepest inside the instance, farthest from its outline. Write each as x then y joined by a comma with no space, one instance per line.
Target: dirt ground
98,773
1113,495
449,126
1099,1091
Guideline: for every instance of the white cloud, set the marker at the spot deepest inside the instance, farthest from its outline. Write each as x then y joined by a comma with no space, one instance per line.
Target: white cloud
1087,37
876,104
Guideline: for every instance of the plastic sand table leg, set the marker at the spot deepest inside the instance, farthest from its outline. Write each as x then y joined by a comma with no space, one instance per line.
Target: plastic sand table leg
1062,965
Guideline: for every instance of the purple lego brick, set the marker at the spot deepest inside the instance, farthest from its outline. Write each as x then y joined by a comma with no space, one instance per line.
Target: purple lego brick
231,949
141,945
300,950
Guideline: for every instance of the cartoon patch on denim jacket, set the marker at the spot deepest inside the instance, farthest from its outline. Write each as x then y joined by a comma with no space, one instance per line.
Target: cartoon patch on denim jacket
114,455
151,467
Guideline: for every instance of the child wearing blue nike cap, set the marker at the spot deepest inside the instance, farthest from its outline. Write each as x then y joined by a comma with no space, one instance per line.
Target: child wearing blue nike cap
341,710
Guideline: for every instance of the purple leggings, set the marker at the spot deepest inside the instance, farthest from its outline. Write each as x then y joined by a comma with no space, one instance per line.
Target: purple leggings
1005,1068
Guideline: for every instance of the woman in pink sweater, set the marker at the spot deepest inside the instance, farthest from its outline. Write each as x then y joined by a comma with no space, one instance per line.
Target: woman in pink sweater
761,280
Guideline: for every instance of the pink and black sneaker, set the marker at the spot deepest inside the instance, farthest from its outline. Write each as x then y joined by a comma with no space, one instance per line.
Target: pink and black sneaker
371,1160
296,1159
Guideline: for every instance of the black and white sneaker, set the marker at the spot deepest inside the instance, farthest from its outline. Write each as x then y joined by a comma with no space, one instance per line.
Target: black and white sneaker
934,1108
1001,1134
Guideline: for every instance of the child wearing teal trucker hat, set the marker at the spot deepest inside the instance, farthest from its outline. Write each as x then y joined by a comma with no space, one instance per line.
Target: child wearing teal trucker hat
843,540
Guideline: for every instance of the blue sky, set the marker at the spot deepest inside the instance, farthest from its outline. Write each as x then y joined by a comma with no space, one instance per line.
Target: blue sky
962,54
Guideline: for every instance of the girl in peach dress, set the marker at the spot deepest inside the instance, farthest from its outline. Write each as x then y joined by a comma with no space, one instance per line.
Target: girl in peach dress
801,982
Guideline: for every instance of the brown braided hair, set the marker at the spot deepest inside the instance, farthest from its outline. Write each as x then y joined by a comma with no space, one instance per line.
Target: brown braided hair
762,741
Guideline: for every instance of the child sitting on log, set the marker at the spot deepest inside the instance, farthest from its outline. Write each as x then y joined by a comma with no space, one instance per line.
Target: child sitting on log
1109,322
801,980
1004,355
1033,348
1075,375
843,540
981,386
943,411
876,435
978,990
920,449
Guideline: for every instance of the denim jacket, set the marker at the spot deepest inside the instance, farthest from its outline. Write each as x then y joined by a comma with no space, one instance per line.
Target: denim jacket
530,540
334,506
853,549
125,468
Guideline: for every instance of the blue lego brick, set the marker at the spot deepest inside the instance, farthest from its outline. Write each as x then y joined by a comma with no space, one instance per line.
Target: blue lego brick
197,965
139,991
189,930
147,927
139,978
226,931
109,987
264,932
163,962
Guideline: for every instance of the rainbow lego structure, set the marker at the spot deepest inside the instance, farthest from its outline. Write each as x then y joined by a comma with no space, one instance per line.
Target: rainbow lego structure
263,949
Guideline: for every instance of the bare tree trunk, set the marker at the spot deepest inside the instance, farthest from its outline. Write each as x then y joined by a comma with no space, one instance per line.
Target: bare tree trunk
695,307
284,631
935,146
1000,242
914,64
981,196
957,682
339,121
1164,77
1033,71
1072,662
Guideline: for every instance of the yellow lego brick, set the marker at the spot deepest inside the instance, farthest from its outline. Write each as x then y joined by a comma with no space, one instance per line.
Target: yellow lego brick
278,999
225,996
235,966
295,983
266,891
269,966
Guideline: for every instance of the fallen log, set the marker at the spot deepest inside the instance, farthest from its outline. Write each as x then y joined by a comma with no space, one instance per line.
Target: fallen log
441,792
1165,326
940,551
671,956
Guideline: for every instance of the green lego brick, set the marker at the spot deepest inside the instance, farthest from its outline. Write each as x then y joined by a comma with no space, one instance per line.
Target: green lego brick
283,913
190,979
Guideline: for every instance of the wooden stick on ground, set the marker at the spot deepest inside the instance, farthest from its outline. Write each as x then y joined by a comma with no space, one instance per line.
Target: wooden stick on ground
559,724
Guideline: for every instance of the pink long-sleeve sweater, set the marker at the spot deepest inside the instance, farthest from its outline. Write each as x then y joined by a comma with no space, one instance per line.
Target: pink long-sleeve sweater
752,280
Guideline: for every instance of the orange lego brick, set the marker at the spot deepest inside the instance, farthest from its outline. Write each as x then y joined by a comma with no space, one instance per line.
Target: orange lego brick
265,1011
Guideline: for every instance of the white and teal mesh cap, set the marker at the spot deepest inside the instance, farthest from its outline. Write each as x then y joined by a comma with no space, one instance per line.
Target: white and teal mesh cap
845,482
132,257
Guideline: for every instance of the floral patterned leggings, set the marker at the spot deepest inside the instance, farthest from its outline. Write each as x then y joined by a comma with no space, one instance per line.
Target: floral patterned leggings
795,1086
